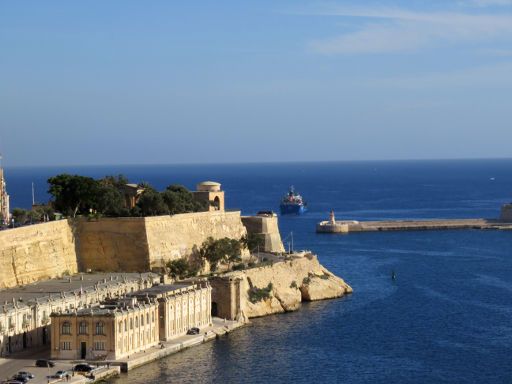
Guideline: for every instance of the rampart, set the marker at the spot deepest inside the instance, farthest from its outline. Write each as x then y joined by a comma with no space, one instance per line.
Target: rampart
267,228
140,244
47,250
173,237
113,244
36,252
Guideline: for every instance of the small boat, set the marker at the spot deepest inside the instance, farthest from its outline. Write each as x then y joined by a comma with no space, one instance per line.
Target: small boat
292,203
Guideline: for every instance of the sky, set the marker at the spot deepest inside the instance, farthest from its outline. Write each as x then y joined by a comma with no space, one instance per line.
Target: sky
159,82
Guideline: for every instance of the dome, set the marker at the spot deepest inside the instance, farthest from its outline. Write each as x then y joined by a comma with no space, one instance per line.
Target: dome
208,186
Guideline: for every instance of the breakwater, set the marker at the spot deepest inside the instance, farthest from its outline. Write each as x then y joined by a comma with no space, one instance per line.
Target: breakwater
425,225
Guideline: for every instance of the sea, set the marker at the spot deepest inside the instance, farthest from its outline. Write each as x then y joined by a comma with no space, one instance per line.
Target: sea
445,318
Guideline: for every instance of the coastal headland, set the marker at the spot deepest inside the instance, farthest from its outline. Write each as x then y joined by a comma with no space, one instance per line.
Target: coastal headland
60,254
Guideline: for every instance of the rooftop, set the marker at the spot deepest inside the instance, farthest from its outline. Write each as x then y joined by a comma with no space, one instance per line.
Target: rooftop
69,284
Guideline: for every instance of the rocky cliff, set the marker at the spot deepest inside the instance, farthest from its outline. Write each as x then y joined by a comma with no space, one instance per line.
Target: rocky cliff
282,286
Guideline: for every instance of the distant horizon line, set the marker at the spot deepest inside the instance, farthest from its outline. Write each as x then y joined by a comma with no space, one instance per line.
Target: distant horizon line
257,162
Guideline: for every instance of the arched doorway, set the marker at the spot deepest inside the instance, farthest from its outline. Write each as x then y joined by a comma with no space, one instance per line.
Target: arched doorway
24,340
215,311
216,203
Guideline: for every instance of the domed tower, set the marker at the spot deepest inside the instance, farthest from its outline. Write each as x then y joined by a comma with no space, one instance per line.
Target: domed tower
210,192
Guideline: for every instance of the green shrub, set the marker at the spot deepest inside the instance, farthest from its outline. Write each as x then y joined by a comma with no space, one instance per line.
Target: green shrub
221,250
293,284
239,267
181,268
258,294
306,280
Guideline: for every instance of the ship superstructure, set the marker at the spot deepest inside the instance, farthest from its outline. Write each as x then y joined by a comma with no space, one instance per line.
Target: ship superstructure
292,203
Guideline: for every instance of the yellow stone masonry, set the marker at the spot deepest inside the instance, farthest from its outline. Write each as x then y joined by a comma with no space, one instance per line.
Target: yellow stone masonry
36,252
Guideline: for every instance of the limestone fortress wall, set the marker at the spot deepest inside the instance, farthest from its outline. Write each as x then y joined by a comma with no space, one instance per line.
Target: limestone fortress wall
139,244
36,252
42,251
173,237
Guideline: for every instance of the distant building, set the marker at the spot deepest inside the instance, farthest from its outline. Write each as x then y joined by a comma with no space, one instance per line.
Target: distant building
4,200
210,192
25,320
180,306
110,331
141,319
132,194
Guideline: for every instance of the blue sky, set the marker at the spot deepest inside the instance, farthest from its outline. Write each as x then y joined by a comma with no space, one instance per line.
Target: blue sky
141,82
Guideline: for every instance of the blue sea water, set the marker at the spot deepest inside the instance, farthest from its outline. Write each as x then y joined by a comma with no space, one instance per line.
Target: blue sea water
447,318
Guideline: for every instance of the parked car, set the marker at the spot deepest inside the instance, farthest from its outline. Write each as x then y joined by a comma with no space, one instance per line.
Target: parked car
83,368
21,379
61,374
28,375
193,331
45,363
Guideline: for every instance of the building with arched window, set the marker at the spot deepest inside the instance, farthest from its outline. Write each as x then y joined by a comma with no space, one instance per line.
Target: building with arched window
131,324
210,192
114,336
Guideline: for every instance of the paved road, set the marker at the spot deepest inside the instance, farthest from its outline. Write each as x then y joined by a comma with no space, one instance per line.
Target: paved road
25,361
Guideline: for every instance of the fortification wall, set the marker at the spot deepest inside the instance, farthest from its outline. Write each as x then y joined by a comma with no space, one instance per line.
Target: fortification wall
268,228
43,251
36,252
113,244
173,237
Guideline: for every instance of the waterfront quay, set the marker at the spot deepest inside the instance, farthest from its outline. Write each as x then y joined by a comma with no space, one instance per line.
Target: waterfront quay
425,225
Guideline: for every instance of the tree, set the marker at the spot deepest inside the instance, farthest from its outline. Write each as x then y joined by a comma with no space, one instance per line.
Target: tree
180,200
74,194
215,251
151,203
111,201
253,241
20,216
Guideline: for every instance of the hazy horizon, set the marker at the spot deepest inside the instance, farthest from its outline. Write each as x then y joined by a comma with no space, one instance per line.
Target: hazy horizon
291,162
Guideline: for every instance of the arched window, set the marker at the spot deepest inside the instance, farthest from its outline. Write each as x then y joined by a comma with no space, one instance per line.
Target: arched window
99,328
131,323
141,320
125,325
152,317
66,328
147,318
82,328
136,321
120,326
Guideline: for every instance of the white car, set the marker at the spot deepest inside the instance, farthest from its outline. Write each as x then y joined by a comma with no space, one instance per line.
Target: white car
61,374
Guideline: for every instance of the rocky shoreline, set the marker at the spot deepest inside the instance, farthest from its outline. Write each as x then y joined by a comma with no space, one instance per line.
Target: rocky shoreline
284,285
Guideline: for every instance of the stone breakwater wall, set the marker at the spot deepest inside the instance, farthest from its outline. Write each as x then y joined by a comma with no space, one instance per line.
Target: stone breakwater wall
292,282
36,252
